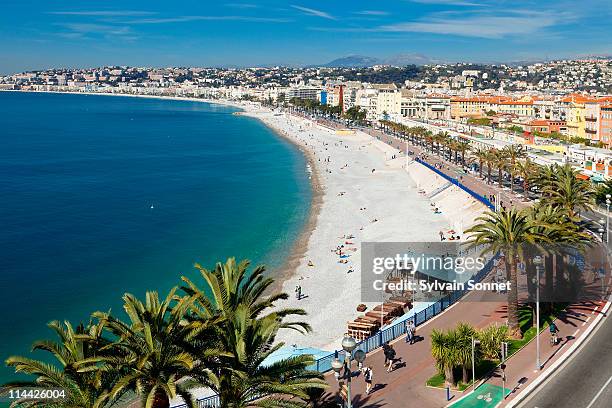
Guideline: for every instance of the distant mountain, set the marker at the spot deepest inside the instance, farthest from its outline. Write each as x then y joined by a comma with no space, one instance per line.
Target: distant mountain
400,60
353,61
361,61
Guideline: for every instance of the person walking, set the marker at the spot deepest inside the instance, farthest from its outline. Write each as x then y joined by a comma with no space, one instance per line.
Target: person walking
390,358
553,333
410,331
367,376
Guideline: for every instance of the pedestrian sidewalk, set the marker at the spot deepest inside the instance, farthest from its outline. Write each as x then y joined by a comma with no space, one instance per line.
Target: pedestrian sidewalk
521,368
405,385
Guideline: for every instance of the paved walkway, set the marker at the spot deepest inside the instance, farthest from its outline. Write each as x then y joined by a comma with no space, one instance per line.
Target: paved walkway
473,182
405,386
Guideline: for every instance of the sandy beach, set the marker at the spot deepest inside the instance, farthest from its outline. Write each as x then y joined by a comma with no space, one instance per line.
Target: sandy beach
363,190
364,194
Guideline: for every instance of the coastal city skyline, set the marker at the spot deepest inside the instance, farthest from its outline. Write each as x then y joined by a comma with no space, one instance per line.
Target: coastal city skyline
306,204
269,33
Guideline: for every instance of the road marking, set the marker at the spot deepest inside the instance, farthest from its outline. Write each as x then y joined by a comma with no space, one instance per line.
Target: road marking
587,320
599,393
575,333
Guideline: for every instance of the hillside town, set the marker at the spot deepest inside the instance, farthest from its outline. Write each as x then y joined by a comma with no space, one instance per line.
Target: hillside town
548,105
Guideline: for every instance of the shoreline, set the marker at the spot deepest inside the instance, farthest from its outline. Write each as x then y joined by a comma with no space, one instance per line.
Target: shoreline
382,207
300,244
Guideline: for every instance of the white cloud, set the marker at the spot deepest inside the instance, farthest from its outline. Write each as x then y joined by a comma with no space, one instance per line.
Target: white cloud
87,28
185,19
498,25
104,13
451,2
372,13
313,12
242,5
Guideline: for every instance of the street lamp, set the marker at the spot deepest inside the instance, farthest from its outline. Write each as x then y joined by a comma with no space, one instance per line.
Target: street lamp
537,261
348,345
474,344
608,217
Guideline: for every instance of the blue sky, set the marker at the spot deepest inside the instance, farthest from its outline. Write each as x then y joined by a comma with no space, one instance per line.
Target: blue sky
37,34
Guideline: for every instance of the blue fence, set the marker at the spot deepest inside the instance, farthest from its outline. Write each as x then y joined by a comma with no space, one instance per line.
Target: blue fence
456,182
323,364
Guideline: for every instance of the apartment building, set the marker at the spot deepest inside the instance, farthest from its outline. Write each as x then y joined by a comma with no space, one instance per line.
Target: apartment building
605,128
433,106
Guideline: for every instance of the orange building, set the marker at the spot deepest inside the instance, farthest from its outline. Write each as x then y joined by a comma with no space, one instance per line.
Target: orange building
605,124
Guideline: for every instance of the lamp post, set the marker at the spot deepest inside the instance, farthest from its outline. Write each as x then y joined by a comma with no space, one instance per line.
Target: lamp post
348,345
608,217
474,344
601,269
537,261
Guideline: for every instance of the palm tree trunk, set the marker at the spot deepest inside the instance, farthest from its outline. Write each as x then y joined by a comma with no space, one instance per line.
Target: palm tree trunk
449,376
465,375
161,399
513,318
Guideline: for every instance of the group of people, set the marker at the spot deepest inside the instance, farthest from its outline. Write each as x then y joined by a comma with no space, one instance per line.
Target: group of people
436,210
390,356
298,292
452,236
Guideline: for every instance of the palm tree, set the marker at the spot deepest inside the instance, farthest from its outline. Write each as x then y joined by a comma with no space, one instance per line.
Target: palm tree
569,192
513,153
84,385
444,351
491,338
150,352
561,232
463,147
490,159
499,160
528,170
506,231
439,138
465,333
480,155
544,178
247,336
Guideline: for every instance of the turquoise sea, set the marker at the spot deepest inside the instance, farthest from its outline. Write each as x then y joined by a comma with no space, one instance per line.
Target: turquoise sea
101,195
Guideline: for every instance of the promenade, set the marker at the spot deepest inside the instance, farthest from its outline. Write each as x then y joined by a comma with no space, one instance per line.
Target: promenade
406,386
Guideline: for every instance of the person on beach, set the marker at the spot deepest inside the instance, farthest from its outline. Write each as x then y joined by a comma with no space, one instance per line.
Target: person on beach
367,376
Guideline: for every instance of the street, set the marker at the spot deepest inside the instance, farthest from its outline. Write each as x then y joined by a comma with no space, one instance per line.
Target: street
585,380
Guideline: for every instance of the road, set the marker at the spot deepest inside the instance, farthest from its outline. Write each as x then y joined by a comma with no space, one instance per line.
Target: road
585,380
